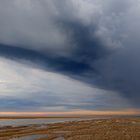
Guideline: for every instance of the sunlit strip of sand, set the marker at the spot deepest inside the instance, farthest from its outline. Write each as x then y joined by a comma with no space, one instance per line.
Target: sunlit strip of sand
78,112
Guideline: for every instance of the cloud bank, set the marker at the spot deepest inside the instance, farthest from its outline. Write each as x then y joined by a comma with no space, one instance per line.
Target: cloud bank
32,89
91,42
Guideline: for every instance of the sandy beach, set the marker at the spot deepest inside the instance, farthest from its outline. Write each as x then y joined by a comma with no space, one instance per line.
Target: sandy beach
121,128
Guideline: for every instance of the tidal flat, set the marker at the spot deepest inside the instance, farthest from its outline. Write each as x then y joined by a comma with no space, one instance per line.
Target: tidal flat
119,128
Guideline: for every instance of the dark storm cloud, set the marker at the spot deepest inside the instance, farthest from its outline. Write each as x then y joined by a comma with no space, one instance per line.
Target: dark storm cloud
120,72
45,61
100,48
86,50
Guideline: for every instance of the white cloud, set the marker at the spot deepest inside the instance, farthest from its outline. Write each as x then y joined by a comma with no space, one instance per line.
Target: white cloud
48,89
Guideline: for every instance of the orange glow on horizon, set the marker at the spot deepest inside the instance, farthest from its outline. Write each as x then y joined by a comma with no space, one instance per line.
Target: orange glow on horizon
78,112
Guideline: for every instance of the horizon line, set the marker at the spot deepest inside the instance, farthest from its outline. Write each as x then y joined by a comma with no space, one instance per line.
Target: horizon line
75,112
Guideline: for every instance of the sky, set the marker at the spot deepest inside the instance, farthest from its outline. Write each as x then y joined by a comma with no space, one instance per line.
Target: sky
69,55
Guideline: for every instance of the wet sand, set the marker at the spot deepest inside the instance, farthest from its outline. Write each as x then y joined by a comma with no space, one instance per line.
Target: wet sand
122,128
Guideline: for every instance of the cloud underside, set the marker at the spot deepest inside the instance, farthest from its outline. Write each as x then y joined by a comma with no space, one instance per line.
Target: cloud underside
69,55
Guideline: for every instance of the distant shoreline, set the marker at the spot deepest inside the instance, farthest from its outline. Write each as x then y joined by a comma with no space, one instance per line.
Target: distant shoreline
70,116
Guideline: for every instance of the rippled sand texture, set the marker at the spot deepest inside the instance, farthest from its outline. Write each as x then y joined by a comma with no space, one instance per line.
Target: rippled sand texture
100,129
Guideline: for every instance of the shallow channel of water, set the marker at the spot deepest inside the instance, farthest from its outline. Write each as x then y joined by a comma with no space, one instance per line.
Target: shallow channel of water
21,122
30,137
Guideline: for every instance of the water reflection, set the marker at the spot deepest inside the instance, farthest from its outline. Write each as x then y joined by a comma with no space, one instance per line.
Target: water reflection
21,122
30,137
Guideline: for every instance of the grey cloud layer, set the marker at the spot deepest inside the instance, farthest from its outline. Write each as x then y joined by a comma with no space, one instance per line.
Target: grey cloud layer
96,42
31,89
